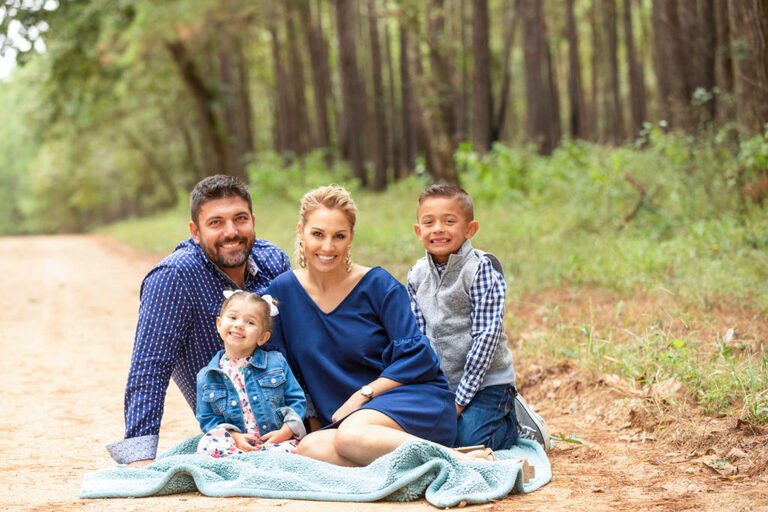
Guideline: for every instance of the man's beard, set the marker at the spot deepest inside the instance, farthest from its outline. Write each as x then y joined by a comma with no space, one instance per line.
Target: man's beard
232,259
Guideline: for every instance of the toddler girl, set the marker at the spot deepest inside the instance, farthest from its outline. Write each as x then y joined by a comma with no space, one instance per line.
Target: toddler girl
248,398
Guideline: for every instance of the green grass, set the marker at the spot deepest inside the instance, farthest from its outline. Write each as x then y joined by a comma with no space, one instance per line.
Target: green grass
560,222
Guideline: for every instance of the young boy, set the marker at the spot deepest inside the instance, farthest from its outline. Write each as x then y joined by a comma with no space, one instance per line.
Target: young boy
458,296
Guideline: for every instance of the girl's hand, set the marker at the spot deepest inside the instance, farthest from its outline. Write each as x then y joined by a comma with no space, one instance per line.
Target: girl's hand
278,436
353,403
246,442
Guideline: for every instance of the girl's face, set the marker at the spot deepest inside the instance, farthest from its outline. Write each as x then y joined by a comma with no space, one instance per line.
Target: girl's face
327,235
241,328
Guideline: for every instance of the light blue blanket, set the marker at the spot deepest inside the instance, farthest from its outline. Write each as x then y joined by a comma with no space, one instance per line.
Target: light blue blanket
414,470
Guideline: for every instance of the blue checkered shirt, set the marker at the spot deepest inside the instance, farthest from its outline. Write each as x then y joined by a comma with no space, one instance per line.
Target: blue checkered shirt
176,334
487,295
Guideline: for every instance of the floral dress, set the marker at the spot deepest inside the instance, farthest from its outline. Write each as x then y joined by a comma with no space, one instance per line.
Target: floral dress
218,442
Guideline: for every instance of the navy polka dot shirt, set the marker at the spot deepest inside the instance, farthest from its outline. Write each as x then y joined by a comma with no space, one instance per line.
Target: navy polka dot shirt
176,334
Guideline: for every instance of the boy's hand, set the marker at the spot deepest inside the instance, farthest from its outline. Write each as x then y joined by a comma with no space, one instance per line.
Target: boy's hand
246,442
278,436
459,409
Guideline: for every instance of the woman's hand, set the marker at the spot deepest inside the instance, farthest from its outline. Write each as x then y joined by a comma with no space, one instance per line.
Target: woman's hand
353,403
278,436
246,442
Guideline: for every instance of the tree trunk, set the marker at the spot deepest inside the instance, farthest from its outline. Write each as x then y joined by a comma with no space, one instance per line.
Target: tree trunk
636,75
441,67
353,93
409,112
615,116
393,142
236,104
595,126
282,134
462,96
318,57
751,18
510,26
379,102
482,99
577,109
543,118
301,132
724,65
675,62
212,134
435,143
707,48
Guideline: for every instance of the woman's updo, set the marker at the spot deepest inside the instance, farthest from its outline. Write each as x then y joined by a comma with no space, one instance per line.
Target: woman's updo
333,197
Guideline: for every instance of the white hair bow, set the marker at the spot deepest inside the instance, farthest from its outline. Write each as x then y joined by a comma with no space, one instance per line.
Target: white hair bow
273,311
272,305
229,293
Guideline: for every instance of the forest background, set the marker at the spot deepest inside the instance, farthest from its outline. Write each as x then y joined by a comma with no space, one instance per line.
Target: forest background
618,145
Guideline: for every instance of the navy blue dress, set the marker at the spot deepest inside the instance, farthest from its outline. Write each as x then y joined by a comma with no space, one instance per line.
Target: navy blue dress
372,333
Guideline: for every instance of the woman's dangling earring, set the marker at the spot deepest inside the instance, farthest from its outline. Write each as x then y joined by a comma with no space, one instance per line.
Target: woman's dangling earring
302,260
348,261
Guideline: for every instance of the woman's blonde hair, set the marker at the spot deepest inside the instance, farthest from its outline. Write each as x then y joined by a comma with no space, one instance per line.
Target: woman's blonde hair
333,197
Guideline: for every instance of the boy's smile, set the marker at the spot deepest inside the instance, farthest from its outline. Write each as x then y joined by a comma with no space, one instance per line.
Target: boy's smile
443,227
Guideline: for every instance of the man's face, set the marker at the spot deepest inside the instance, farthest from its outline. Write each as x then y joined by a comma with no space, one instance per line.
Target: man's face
224,231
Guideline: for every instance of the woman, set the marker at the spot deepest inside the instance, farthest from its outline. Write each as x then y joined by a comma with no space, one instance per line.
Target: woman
351,337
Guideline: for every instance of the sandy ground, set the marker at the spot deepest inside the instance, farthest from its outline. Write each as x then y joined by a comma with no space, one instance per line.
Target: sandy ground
67,314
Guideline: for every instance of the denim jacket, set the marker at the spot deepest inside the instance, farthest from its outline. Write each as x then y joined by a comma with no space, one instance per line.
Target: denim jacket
273,392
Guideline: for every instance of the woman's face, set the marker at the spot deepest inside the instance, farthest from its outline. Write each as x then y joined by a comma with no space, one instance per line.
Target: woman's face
327,235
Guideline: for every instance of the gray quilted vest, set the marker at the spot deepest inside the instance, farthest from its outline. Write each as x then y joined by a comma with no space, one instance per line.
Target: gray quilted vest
444,302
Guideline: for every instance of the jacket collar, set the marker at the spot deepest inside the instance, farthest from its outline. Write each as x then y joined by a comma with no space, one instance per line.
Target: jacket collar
258,360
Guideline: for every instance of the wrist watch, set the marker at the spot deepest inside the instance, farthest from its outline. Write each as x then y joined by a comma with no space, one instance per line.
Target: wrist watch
367,391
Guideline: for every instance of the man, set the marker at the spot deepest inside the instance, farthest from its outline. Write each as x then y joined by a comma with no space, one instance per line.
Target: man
180,297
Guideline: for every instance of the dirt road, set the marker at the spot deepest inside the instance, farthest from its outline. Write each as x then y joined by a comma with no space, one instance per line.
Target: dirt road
67,313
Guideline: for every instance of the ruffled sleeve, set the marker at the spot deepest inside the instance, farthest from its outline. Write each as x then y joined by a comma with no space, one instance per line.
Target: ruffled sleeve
408,358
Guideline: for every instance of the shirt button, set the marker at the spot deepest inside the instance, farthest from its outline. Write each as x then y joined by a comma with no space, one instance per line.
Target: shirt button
256,398
274,380
211,395
233,403
264,426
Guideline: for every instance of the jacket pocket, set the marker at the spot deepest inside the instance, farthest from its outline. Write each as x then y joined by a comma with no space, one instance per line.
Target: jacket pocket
272,385
216,396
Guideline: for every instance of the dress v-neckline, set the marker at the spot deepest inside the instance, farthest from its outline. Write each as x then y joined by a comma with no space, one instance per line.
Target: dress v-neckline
342,301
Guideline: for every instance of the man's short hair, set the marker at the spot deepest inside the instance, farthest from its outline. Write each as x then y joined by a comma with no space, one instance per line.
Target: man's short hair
455,192
214,187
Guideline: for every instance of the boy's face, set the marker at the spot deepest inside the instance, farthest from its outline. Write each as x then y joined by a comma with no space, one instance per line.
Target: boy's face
443,226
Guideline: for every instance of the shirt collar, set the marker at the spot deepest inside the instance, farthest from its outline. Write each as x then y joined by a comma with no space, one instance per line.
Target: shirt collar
258,360
454,259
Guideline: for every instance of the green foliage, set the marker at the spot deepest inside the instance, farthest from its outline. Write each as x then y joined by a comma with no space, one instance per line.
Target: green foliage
564,221
274,176
17,150
753,154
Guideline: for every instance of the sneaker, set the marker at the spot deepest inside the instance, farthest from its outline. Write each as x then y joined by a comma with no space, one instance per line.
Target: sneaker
530,425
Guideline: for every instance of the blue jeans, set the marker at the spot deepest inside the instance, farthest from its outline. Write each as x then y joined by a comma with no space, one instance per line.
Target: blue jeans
489,419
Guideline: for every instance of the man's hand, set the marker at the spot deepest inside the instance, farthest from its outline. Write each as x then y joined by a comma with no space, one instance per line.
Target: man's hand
140,463
278,436
246,442
459,409
314,424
